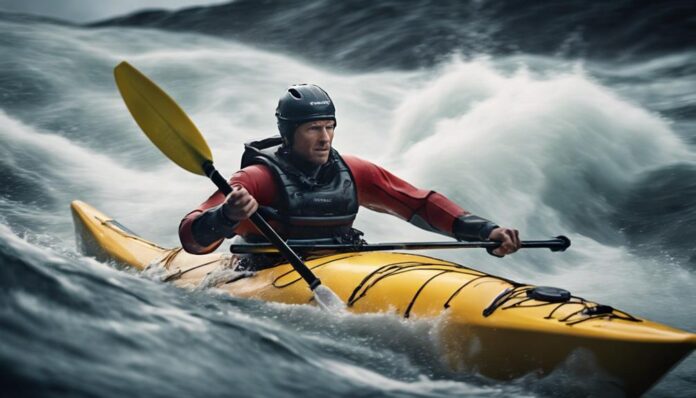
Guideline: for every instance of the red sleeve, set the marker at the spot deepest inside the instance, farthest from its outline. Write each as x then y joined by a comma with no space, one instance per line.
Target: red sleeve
256,179
382,191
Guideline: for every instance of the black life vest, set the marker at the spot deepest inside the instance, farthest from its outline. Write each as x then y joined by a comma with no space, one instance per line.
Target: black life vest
306,208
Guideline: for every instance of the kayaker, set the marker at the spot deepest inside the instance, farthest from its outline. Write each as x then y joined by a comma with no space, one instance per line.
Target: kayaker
306,190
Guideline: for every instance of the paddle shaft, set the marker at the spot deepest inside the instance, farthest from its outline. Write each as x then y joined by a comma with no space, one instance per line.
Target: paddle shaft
277,242
561,243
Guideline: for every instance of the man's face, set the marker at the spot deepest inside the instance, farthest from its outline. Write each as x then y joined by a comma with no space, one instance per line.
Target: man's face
313,141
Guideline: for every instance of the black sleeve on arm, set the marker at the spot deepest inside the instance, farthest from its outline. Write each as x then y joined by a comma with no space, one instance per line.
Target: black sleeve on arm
211,226
472,228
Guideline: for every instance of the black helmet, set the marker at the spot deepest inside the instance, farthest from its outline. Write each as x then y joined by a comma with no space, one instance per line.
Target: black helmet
302,103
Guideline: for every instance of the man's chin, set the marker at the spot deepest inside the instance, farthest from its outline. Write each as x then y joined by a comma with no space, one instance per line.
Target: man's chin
320,159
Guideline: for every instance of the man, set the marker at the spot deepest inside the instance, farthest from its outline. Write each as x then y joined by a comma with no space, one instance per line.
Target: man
306,190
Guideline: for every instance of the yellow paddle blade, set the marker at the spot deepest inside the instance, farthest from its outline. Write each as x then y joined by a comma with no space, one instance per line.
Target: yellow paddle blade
162,120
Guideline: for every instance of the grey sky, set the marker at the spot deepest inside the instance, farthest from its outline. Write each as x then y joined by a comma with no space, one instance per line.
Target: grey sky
92,10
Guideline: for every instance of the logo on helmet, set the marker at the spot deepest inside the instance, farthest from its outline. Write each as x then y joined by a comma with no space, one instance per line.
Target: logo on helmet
314,103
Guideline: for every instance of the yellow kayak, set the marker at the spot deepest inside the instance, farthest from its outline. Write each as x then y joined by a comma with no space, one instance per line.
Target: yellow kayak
490,325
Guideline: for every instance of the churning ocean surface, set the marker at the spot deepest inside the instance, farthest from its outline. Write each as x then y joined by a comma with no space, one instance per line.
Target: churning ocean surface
570,118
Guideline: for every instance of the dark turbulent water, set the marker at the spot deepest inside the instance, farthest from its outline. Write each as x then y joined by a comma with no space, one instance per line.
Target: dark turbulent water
569,118
408,34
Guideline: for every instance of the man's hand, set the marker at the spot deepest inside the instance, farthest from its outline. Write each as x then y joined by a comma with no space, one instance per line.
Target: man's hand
510,239
239,204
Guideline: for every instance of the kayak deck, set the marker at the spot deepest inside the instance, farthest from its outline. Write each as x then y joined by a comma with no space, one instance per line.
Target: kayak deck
490,324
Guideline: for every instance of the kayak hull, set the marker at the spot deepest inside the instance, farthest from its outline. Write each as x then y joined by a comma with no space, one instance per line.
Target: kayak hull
486,324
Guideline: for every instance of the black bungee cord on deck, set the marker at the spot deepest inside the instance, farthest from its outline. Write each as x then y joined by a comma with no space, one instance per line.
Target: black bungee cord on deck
559,297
